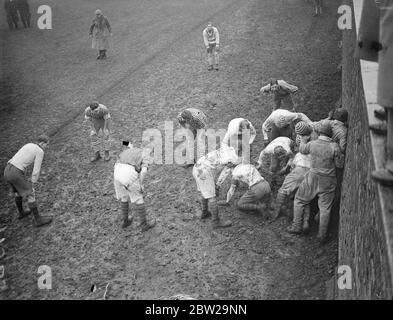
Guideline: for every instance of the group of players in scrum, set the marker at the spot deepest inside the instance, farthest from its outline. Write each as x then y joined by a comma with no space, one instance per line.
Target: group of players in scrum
307,153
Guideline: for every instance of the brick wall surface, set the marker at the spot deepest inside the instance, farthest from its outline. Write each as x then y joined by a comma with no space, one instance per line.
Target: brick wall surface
362,244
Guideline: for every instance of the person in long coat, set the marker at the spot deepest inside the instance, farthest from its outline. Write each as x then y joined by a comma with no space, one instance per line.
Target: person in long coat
12,13
24,12
100,31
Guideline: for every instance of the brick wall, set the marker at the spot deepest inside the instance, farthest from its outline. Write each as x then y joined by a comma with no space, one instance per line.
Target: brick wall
362,243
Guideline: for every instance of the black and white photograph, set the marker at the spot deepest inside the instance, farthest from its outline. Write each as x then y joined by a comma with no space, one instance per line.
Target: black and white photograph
220,152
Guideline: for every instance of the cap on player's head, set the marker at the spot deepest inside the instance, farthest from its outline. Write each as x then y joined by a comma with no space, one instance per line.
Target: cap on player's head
98,12
94,105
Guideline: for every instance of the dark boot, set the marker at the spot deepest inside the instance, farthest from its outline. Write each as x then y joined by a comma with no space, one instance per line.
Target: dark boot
107,156
99,55
205,211
19,206
141,211
124,211
96,157
103,54
38,220
297,223
323,228
217,222
256,207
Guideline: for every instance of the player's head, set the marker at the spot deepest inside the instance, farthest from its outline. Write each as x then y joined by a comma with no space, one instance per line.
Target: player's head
302,128
98,13
273,84
93,105
340,114
325,128
43,141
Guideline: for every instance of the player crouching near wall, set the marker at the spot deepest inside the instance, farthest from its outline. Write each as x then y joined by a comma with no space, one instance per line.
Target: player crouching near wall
129,174
99,117
204,173
14,174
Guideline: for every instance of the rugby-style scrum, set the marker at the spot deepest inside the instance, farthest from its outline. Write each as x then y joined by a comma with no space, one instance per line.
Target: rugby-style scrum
299,160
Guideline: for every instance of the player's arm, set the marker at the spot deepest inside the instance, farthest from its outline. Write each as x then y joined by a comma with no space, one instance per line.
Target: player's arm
205,39
266,127
232,190
37,166
217,34
108,25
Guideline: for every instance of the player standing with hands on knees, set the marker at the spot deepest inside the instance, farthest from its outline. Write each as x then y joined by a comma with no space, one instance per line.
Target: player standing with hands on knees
14,174
99,116
211,39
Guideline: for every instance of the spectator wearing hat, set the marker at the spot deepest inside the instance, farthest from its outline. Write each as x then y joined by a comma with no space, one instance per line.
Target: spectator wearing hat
320,181
24,12
14,174
100,31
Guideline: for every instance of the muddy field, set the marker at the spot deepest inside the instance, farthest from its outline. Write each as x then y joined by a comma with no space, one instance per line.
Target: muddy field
156,68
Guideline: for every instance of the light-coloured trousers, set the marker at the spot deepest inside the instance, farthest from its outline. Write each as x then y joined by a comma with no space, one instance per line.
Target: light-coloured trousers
212,55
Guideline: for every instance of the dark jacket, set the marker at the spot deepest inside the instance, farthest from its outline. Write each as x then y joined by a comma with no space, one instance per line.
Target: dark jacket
22,5
10,7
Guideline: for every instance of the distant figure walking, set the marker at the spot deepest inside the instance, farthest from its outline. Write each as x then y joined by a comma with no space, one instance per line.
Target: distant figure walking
12,14
100,31
211,39
24,12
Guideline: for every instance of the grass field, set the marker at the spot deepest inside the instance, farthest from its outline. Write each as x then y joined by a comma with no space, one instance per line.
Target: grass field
155,68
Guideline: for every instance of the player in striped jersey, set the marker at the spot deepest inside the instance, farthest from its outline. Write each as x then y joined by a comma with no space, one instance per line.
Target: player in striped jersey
99,116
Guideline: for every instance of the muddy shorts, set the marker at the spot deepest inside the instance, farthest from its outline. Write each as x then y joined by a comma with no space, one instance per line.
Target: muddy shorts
204,179
293,180
127,184
17,180
258,192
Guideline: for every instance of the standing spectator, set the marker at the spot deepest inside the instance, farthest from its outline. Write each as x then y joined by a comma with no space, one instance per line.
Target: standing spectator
211,38
24,12
282,93
100,31
12,13
14,174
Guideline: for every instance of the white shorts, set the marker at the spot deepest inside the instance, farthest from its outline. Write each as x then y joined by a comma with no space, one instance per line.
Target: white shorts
204,179
127,184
